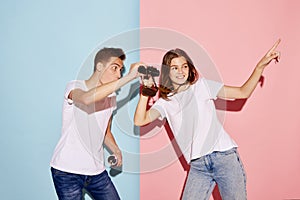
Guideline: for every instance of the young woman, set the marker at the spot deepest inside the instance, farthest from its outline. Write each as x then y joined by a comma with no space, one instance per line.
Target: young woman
186,101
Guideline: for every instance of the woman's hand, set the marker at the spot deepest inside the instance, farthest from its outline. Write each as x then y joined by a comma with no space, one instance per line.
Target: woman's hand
243,92
272,54
148,82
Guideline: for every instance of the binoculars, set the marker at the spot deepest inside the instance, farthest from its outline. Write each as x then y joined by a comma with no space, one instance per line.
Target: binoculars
148,71
112,160
152,72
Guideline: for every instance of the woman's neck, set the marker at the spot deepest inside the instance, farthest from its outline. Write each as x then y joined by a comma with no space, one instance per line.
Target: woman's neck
181,87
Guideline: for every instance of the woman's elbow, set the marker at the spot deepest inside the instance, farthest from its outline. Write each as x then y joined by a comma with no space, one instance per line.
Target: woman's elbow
245,95
138,122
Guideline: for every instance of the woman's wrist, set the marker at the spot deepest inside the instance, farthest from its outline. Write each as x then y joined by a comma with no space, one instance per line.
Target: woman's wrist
260,68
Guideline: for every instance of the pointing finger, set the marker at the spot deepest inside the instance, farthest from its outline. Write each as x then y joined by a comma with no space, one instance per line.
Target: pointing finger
274,46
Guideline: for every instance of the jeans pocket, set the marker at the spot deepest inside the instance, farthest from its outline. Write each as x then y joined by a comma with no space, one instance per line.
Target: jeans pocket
198,164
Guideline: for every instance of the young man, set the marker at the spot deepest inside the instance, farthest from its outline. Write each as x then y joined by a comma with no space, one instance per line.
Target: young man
78,160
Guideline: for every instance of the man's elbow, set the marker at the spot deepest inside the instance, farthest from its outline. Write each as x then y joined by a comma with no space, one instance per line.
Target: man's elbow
81,97
85,100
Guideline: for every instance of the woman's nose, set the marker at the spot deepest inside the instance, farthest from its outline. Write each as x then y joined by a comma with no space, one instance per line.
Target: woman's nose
179,70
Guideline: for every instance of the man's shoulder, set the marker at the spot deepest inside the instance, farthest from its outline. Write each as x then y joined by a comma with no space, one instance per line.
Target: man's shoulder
75,84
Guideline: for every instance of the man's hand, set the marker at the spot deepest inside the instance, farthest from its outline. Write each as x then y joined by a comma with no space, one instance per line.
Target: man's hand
133,72
118,155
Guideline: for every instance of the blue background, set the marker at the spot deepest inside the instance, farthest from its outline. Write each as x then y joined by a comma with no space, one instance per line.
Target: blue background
43,45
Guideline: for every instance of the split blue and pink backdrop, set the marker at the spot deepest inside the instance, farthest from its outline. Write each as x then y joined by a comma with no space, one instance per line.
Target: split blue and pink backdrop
45,44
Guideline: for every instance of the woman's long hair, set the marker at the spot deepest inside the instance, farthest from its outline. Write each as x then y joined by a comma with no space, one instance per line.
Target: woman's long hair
166,86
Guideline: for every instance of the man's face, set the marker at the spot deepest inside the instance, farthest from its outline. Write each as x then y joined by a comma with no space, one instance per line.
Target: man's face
112,70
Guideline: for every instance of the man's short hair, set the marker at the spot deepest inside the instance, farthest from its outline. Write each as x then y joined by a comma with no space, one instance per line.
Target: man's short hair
106,53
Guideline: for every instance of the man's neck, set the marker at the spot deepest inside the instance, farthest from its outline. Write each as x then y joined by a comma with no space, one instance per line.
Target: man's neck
93,81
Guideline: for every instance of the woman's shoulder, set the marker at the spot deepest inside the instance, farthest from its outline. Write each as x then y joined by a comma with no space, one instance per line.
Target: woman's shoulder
199,82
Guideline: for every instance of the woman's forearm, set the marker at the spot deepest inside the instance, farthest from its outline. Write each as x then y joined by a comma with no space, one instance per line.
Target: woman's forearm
141,111
248,87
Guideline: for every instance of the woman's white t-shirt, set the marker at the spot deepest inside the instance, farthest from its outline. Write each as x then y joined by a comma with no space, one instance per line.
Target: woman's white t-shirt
80,148
193,120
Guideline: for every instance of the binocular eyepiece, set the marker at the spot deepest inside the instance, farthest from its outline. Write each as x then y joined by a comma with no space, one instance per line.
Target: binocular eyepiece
148,70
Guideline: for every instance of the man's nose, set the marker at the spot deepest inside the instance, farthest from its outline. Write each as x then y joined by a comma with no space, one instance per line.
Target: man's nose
119,74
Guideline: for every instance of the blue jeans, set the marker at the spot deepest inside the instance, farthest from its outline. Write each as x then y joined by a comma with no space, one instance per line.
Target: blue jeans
222,168
69,186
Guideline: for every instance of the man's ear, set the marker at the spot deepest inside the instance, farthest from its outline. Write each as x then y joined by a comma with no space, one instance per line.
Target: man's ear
99,66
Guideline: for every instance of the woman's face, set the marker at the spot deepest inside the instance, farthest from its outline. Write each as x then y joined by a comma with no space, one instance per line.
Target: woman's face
179,71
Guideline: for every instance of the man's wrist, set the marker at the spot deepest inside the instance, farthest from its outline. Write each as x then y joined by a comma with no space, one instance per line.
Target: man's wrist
131,76
117,151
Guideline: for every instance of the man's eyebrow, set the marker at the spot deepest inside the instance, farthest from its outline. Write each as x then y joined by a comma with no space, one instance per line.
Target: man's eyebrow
114,63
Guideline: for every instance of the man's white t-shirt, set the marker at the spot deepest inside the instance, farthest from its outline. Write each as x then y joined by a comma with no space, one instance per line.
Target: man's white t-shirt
193,119
80,148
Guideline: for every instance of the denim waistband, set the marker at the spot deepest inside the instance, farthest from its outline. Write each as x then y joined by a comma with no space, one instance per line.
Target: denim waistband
216,153
232,150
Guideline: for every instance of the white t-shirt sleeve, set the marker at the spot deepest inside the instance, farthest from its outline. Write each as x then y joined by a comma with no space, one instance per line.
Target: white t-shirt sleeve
70,86
159,106
213,87
113,98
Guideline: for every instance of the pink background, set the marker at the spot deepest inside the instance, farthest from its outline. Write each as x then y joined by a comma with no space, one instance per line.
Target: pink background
236,34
